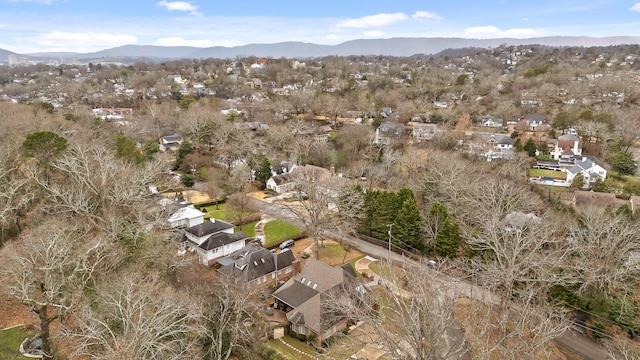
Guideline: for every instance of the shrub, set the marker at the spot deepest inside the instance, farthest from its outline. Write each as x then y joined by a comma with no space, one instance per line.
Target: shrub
597,329
302,337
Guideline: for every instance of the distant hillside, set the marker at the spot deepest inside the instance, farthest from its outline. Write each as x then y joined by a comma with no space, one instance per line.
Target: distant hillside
4,53
391,47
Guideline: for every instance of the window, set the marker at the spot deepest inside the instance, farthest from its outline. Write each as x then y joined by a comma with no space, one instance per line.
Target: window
287,270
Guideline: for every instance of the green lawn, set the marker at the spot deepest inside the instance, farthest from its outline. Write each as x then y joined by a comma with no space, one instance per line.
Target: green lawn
277,231
249,229
217,213
328,251
10,340
549,173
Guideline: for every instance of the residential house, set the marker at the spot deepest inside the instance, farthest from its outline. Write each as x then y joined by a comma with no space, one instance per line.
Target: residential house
589,170
566,147
256,266
306,297
420,131
186,217
389,130
287,181
170,142
490,121
281,183
213,239
538,123
501,142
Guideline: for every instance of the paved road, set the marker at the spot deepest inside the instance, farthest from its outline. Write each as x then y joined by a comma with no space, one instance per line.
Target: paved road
571,341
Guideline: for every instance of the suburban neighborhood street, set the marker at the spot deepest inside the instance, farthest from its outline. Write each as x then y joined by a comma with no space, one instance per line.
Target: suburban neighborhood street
571,341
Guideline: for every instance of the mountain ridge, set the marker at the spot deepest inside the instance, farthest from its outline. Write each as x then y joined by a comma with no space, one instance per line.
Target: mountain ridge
399,46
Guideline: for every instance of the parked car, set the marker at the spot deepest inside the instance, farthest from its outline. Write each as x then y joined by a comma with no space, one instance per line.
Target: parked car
286,244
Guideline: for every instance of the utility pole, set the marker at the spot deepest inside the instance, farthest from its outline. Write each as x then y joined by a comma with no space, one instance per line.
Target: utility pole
389,233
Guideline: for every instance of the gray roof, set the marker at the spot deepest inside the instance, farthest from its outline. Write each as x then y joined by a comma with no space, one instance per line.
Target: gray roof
295,294
253,261
306,290
208,228
220,239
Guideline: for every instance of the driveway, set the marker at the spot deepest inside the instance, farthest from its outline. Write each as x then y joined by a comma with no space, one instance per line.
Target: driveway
573,342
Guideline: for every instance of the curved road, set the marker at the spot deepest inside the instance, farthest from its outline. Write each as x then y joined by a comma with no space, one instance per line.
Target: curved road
572,341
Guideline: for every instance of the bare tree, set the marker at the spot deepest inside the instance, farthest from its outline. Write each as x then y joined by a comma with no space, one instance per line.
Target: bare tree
314,202
48,268
238,207
89,183
603,243
137,318
229,318
409,316
16,191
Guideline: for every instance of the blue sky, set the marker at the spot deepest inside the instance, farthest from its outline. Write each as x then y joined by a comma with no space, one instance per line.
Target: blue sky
28,26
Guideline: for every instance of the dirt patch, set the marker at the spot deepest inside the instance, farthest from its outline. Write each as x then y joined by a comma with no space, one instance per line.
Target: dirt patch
192,196
13,313
258,195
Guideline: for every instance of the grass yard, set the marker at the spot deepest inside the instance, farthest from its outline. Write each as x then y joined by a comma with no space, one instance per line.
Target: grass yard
547,173
248,229
216,213
277,231
10,340
334,254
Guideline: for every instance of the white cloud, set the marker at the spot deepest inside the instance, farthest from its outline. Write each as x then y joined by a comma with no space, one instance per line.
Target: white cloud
374,33
495,32
426,15
83,42
635,7
372,20
179,6
333,37
179,41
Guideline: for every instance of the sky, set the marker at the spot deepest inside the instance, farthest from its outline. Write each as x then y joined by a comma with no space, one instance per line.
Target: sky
29,26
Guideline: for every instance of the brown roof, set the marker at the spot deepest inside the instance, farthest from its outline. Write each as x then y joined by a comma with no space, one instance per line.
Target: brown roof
305,292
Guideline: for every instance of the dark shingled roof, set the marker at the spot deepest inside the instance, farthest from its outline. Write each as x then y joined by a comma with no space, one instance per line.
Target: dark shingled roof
253,261
208,227
221,239
296,294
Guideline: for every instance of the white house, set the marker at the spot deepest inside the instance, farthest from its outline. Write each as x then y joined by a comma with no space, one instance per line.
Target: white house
501,142
186,217
566,146
214,239
170,142
589,170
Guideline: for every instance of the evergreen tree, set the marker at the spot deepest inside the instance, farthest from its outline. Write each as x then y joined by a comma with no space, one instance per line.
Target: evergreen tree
127,150
530,147
407,231
44,145
445,231
185,149
263,172
448,239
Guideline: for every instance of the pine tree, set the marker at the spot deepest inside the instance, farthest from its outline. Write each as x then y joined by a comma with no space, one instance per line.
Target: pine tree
408,226
445,231
263,172
448,239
